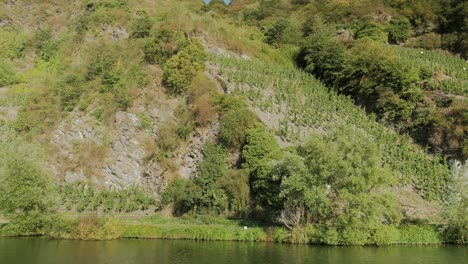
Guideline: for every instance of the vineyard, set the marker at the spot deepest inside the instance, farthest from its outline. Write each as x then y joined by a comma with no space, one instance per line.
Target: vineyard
81,197
454,69
304,104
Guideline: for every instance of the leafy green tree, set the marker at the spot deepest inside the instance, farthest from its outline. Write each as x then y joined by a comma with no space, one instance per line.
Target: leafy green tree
213,165
276,31
455,27
28,197
183,194
336,181
371,31
235,184
322,54
374,77
163,45
181,68
234,125
399,31
210,170
259,143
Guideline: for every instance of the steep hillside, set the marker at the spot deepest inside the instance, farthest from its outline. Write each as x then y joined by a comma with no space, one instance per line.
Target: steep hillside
186,109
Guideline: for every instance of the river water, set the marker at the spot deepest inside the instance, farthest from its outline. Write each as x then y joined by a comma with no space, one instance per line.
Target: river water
44,251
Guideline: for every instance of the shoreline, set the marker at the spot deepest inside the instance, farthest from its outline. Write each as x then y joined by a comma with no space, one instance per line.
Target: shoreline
211,229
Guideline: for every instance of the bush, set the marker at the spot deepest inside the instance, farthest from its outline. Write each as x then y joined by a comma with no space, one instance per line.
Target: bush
203,109
259,143
210,169
12,44
45,44
7,73
275,32
456,230
86,228
399,31
70,89
183,194
234,126
162,46
181,68
371,31
142,27
27,197
419,235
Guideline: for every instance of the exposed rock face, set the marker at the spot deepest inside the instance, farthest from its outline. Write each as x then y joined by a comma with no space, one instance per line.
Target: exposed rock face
116,33
189,157
115,157
124,163
345,35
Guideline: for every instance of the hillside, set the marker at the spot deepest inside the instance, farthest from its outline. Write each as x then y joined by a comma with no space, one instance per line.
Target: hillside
258,111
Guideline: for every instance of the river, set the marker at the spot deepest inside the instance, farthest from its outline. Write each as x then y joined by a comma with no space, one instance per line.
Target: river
44,251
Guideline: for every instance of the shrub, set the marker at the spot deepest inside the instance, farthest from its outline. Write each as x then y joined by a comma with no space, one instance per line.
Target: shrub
12,44
234,126
70,89
371,31
27,197
45,44
259,143
162,46
419,235
275,32
183,194
399,31
181,68
142,27
235,184
7,73
203,109
212,167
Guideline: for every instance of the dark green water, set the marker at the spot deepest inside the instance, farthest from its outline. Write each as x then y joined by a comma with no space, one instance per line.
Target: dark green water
40,250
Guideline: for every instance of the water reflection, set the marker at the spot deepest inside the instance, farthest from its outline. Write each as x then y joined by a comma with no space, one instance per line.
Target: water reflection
42,251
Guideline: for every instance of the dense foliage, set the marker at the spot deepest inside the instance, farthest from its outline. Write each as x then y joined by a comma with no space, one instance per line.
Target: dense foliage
288,152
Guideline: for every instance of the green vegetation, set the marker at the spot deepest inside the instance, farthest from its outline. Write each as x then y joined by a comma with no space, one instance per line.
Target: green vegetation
7,73
27,195
229,133
182,67
81,197
328,110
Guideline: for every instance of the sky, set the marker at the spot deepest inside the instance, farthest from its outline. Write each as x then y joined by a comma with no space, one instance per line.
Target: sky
225,1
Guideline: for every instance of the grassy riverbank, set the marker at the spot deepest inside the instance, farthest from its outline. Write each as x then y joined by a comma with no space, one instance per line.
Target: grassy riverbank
210,229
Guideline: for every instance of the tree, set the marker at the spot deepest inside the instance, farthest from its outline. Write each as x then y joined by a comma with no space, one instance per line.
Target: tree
28,197
181,68
275,32
322,54
259,143
162,46
372,31
234,124
336,181
457,204
399,31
